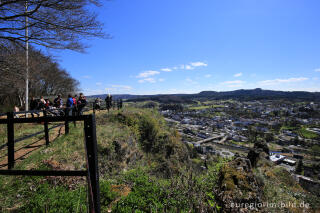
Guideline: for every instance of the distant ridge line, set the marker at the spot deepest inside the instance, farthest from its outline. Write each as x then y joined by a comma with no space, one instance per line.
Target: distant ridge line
241,94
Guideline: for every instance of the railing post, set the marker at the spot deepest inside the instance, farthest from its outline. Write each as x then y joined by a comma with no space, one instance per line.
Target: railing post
46,129
10,133
66,123
74,113
93,108
92,162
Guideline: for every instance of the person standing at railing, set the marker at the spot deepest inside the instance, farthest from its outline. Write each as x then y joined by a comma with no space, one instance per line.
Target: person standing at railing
16,109
97,104
108,102
82,102
42,103
69,104
70,101
58,103
75,107
34,106
121,103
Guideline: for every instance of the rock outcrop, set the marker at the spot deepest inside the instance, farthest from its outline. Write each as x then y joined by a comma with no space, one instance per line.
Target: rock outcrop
238,189
260,151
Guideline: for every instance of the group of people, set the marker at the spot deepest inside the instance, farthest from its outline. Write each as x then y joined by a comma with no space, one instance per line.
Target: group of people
109,103
73,102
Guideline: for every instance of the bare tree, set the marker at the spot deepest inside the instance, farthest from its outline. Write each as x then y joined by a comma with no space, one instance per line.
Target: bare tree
59,24
46,77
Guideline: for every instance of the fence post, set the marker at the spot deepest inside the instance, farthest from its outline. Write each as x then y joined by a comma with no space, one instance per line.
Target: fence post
46,129
93,108
10,133
66,123
92,162
74,113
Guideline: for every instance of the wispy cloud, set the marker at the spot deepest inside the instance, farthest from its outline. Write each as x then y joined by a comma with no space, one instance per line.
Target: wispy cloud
193,65
237,83
98,83
198,64
161,79
147,76
317,70
238,74
280,81
189,67
148,73
166,70
86,76
208,76
149,80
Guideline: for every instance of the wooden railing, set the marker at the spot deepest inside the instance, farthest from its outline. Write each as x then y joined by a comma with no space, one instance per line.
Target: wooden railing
90,146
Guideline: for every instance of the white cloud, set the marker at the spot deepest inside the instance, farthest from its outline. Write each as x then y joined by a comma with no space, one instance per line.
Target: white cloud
208,76
98,83
166,69
188,67
86,76
238,74
198,64
317,70
161,79
236,83
149,80
147,74
280,81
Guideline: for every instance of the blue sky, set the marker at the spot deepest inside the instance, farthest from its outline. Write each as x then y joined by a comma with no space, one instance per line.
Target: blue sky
187,46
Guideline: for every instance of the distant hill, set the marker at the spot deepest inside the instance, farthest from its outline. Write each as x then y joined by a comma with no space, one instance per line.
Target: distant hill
258,93
242,94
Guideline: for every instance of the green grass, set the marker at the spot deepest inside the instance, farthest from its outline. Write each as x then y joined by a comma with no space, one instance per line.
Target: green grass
307,134
204,107
67,150
199,107
289,128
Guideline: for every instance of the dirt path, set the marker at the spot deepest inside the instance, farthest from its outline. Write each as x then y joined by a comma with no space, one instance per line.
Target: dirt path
25,151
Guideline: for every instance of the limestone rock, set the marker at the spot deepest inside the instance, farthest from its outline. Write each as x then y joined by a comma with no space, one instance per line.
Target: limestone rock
238,189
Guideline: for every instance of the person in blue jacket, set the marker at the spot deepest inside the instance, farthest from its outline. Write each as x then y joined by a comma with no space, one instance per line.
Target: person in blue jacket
69,105
70,101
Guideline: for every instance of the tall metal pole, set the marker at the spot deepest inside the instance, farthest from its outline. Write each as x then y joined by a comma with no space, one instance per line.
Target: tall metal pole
27,58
